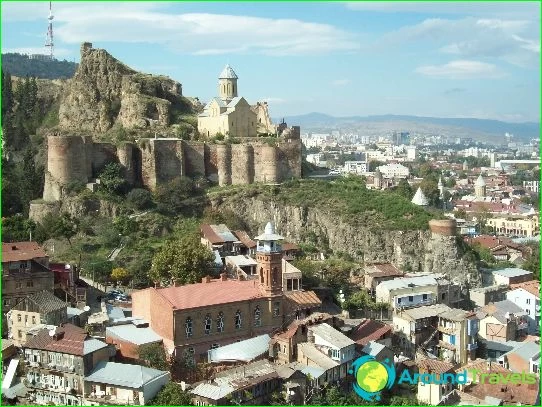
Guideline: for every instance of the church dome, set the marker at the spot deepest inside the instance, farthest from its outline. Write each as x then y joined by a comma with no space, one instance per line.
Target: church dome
419,198
480,182
228,73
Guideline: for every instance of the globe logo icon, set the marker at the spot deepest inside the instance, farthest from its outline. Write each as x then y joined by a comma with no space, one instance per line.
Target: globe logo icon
372,377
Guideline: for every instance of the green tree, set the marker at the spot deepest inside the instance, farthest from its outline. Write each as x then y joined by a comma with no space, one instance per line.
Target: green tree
119,274
99,269
154,356
172,395
63,227
404,189
374,164
139,199
532,262
184,260
430,189
17,228
125,225
112,178
172,196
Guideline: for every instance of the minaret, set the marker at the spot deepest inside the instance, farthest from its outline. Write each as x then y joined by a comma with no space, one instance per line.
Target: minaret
480,187
377,179
440,187
269,259
227,84
465,165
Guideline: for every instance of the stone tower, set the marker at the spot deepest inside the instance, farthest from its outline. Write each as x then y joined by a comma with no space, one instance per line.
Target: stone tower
480,187
269,259
440,187
377,179
465,165
227,84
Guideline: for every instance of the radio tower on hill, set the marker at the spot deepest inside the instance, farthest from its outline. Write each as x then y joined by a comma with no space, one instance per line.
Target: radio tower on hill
49,39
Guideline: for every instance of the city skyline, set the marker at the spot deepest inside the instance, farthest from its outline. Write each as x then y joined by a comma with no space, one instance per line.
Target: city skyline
478,60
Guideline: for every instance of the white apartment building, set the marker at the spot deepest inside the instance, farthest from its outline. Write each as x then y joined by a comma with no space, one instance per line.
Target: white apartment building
355,167
394,171
527,296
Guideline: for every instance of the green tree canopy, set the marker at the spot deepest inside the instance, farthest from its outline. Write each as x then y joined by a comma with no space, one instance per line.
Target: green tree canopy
112,178
139,199
172,395
184,261
154,356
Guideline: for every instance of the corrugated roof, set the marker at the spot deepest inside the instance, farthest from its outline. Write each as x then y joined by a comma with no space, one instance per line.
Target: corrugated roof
70,339
369,330
526,351
373,348
212,391
399,283
242,260
427,311
122,374
322,360
303,299
212,293
331,335
225,234
133,334
500,309
245,239
19,251
532,287
91,345
512,272
45,301
210,234
245,351
315,372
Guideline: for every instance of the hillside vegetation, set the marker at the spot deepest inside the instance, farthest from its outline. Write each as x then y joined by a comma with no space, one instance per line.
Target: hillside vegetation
21,65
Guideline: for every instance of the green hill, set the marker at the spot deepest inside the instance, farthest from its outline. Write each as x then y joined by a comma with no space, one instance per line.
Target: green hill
22,65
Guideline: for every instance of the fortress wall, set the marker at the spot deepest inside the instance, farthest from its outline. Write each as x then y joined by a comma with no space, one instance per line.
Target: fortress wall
194,158
148,163
211,162
443,227
126,156
102,154
266,168
223,154
242,164
290,159
169,159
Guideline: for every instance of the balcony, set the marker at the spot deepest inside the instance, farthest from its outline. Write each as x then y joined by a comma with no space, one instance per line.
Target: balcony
472,346
449,331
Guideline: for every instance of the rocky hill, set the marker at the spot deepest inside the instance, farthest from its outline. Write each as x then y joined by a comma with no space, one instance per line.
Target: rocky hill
105,93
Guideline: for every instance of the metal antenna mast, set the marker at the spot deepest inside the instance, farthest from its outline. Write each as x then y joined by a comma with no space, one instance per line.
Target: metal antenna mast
49,40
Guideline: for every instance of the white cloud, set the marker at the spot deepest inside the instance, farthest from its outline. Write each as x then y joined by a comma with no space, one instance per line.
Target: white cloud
195,33
340,82
461,69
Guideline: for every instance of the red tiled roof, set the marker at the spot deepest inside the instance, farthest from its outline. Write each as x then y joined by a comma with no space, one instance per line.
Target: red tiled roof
72,341
369,330
435,366
532,287
19,251
244,238
212,293
383,269
289,246
290,331
210,234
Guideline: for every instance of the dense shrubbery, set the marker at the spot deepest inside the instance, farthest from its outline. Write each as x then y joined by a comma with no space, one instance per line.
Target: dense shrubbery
21,65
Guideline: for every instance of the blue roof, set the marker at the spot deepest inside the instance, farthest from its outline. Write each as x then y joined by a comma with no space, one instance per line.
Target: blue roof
133,334
114,312
245,350
92,345
121,374
373,348
511,272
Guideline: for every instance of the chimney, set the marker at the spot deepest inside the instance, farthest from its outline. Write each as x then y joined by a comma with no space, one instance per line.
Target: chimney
206,279
223,276
13,247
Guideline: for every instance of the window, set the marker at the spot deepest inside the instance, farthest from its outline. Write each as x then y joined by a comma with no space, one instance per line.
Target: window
528,300
398,300
410,298
20,334
18,317
443,296
188,327
257,316
18,284
33,320
30,283
424,297
528,311
238,320
276,309
215,346
208,324
220,322
275,275
6,303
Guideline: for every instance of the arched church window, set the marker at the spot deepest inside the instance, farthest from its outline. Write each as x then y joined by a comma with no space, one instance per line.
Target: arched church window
208,324
220,322
261,275
238,321
275,275
257,316
188,327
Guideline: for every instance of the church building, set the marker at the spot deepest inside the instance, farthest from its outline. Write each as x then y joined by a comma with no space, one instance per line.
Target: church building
228,114
195,318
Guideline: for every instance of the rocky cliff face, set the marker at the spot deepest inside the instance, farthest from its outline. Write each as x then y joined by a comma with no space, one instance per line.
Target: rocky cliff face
409,250
104,92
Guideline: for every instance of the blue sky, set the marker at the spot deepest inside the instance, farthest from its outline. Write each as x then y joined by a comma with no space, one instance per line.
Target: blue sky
442,59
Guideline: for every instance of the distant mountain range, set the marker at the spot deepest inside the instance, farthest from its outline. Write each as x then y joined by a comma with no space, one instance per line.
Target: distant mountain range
461,127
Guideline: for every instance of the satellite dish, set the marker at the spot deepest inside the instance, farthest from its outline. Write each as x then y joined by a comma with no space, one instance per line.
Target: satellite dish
52,332
86,309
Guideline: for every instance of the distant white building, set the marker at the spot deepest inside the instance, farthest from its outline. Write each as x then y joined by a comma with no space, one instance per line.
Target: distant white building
394,171
355,167
532,186
410,153
526,296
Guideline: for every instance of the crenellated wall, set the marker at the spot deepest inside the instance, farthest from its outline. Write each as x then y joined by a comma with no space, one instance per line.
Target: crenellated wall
155,161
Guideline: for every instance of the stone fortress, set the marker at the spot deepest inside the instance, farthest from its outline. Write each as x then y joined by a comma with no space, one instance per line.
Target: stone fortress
244,158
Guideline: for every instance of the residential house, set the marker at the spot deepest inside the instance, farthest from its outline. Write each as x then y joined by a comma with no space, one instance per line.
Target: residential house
485,295
371,330
241,266
432,393
510,276
129,337
467,228
523,358
40,308
291,277
515,226
123,384
248,246
251,384
376,273
527,296
57,363
457,335
291,250
502,321
402,293
502,248
25,271
378,351
219,237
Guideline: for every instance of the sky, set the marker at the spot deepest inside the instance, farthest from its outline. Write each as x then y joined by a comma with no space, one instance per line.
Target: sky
439,59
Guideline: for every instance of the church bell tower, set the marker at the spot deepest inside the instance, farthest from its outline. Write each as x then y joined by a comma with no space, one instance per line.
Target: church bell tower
227,84
269,259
